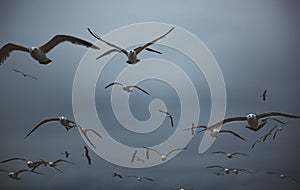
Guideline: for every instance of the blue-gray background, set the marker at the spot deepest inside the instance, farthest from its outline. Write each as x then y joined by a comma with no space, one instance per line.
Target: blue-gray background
256,44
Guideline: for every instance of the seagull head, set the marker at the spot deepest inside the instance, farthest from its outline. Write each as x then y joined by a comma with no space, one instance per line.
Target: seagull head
51,164
61,118
11,174
30,163
33,49
227,171
251,116
282,176
163,158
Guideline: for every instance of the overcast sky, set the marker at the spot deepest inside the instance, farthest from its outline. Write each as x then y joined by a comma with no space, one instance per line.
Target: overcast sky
255,44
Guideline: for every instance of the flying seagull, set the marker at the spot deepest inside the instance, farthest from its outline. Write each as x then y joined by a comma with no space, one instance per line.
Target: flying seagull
39,53
135,157
253,119
230,155
68,124
192,129
53,164
162,157
283,176
15,175
25,74
215,132
264,95
116,174
140,178
127,88
228,170
132,54
86,154
85,131
169,116
30,164
66,154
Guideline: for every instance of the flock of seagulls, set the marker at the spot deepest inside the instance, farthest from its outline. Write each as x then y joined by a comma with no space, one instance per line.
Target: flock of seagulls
254,121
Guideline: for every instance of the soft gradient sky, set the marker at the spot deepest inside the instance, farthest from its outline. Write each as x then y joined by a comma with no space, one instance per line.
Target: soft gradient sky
255,43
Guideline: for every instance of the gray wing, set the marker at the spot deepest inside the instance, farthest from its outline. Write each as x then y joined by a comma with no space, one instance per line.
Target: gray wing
108,52
239,153
138,50
133,156
84,132
8,48
294,179
61,160
269,133
215,166
40,124
150,179
108,43
141,90
228,120
95,132
63,38
152,50
274,114
273,173
11,159
219,152
24,74
177,149
113,83
153,150
235,134
279,121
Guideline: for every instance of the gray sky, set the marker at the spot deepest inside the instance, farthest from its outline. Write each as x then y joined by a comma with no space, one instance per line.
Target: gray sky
255,43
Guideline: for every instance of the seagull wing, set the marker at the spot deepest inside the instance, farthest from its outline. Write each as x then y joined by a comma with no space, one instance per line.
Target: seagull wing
279,121
294,179
40,124
219,152
239,153
245,171
11,159
95,132
176,149
61,160
133,156
8,48
235,134
228,120
172,121
153,150
63,38
84,132
141,90
108,52
269,133
31,76
152,50
147,178
87,155
273,114
113,83
273,173
108,43
152,42
18,71
216,167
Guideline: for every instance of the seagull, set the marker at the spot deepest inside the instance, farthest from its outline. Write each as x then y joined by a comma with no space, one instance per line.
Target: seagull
263,138
237,170
39,53
216,132
192,129
85,131
115,174
283,176
30,164
264,95
169,116
68,124
140,178
53,164
127,88
228,170
66,154
253,119
132,54
163,157
15,175
230,155
86,154
25,74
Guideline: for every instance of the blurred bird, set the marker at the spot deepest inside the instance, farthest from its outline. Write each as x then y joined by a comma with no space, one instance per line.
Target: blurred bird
127,88
264,95
68,124
283,176
230,155
86,154
15,175
216,132
115,174
135,157
85,131
53,164
30,164
163,157
264,137
25,74
132,54
140,178
228,170
39,53
169,116
66,154
192,129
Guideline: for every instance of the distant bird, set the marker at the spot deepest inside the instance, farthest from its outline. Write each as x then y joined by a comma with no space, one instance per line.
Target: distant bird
216,132
30,164
264,95
228,170
253,120
127,88
230,155
15,175
68,124
237,170
135,157
85,131
264,137
86,154
66,154
132,54
222,169
283,176
169,116
39,53
140,178
163,157
53,164
25,74
115,174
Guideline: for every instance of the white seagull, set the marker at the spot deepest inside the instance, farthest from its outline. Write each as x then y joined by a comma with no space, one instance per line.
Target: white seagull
25,74
230,155
39,53
162,157
169,116
283,176
132,54
53,164
15,175
116,174
253,119
139,178
68,124
127,88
